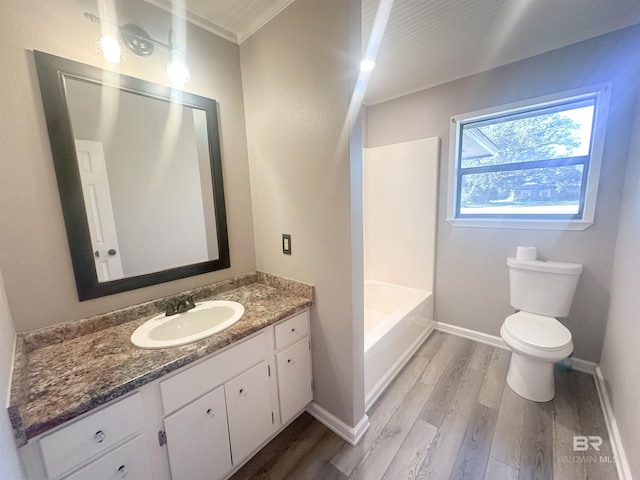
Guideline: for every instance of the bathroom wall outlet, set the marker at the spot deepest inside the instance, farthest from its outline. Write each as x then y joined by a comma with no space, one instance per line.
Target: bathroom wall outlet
286,244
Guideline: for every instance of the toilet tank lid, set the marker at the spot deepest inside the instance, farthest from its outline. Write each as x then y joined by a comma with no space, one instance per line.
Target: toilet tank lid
563,268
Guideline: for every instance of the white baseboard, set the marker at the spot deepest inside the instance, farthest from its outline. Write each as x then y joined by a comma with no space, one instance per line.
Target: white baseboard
472,335
353,435
388,377
622,465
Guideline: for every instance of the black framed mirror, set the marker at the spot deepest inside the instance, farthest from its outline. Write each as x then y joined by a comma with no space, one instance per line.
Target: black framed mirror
139,172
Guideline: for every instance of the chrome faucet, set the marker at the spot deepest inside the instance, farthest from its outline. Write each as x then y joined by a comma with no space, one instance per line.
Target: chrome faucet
179,306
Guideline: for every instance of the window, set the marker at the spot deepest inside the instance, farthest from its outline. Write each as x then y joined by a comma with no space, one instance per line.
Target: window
531,165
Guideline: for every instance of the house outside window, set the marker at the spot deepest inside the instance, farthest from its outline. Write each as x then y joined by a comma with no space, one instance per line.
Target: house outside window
535,164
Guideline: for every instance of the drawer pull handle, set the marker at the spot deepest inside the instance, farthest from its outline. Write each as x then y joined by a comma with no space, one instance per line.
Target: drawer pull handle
99,436
290,361
243,392
123,471
211,413
294,330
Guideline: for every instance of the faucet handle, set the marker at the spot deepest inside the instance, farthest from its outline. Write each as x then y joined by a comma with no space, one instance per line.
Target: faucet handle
170,308
189,302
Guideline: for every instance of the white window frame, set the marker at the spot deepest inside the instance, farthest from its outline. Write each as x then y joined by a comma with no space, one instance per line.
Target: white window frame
601,93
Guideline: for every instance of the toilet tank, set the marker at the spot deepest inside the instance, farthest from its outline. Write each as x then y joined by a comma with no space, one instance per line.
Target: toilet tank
545,288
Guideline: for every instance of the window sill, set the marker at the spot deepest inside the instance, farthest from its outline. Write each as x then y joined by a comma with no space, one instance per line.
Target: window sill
575,225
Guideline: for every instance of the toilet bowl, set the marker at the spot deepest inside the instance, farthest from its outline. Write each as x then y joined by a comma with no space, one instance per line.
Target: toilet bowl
536,343
541,291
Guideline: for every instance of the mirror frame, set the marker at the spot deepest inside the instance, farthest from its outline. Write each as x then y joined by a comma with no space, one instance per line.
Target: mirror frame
52,71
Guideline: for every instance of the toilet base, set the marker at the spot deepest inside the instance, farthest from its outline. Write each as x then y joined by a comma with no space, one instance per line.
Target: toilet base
531,378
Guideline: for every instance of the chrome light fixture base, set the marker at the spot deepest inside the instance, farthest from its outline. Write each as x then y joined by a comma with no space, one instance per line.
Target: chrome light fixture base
137,39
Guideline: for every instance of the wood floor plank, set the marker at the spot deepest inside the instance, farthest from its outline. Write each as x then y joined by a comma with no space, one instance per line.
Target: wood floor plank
440,400
507,438
451,346
431,345
495,378
350,456
565,425
496,470
316,464
473,454
276,458
592,423
481,357
536,458
380,455
440,458
407,462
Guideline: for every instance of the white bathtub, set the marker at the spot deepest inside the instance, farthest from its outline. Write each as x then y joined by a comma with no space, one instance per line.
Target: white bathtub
397,320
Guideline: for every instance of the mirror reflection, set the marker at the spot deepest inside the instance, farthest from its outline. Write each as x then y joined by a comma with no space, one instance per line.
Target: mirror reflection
146,180
140,177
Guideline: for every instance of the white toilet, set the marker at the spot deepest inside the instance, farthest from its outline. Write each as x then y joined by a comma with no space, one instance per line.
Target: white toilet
540,291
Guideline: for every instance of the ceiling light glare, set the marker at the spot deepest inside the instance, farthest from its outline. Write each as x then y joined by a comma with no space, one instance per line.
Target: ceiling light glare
367,65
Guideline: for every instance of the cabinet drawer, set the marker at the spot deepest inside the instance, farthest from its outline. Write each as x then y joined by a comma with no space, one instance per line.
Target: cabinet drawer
182,388
129,460
292,330
92,435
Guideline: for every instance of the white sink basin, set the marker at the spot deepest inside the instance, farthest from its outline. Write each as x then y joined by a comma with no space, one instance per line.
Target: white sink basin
203,321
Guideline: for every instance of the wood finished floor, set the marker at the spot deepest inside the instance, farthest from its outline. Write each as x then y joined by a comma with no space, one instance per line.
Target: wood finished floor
450,415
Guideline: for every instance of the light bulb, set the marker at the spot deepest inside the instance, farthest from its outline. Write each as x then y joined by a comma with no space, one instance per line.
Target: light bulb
109,43
110,48
177,69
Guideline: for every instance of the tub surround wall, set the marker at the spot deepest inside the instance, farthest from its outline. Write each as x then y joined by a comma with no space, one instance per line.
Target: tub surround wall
35,256
400,198
105,364
471,261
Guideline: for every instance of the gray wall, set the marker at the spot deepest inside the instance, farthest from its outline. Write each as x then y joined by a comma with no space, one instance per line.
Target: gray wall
10,464
619,360
34,254
471,276
296,99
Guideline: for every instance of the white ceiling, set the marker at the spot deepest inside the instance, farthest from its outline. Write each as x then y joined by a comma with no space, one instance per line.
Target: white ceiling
430,42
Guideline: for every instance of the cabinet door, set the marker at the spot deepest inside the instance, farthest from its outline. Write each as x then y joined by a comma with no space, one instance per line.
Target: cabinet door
294,378
249,411
198,439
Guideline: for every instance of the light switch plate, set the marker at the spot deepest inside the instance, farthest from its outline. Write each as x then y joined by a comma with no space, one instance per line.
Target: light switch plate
286,244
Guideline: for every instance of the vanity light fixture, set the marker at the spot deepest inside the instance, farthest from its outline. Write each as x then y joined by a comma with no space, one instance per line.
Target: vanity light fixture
138,41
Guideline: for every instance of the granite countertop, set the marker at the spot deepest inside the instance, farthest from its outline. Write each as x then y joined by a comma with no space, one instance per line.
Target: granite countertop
66,370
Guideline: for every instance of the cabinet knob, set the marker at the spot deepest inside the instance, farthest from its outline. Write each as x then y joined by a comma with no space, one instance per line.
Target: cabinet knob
211,413
122,471
243,392
99,436
294,330
290,361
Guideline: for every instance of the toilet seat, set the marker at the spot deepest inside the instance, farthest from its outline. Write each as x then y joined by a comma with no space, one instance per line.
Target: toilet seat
537,331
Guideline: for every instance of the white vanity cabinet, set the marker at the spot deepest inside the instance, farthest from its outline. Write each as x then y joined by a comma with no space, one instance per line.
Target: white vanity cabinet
293,359
201,422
